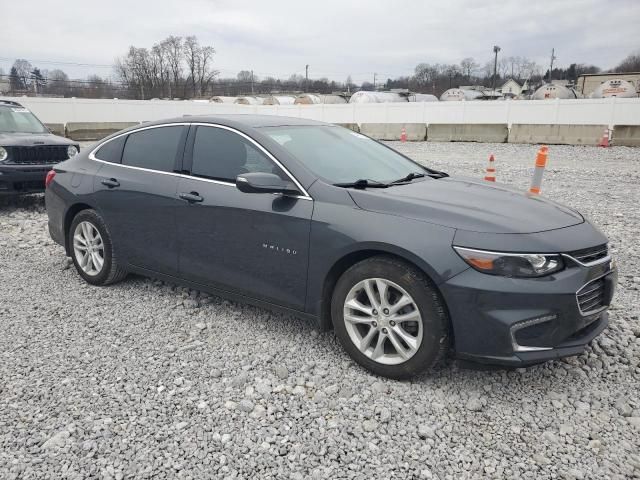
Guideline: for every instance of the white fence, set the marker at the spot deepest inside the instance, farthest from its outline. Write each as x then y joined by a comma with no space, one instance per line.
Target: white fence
608,111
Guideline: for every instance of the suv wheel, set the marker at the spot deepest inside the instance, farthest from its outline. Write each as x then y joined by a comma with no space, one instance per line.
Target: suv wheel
389,317
92,251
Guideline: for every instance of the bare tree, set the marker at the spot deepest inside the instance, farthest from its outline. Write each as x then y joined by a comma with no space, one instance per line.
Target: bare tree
161,63
192,54
23,69
629,64
57,82
204,69
468,66
244,76
175,58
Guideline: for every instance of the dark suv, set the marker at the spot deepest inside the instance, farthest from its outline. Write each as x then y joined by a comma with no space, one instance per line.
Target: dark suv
27,150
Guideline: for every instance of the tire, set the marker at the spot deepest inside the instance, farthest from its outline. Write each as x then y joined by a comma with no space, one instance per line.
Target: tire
427,334
110,271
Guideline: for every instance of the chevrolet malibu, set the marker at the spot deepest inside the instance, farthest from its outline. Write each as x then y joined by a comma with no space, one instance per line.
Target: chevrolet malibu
404,262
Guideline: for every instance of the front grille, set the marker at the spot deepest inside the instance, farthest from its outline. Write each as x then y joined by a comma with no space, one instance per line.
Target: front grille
592,254
591,297
38,154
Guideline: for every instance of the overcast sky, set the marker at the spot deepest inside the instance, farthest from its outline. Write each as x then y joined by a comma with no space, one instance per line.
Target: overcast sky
336,38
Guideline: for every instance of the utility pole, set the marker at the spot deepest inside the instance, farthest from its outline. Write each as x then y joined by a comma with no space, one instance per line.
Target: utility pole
251,82
553,57
496,49
374,81
306,78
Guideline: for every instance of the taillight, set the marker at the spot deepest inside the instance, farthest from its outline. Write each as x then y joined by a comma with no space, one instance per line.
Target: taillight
50,176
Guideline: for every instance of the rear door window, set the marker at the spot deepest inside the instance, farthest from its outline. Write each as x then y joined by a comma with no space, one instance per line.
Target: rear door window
221,154
154,148
112,150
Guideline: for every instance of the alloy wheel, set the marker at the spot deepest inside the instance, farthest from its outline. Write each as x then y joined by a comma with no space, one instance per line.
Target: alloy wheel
88,248
383,321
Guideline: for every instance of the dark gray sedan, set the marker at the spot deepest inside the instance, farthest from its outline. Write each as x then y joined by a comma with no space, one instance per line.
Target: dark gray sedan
404,262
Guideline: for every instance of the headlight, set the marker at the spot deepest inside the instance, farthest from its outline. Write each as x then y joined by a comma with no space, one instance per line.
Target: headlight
511,264
3,154
72,151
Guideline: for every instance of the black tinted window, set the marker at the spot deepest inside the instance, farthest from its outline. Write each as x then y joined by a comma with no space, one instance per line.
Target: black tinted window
223,155
111,151
155,148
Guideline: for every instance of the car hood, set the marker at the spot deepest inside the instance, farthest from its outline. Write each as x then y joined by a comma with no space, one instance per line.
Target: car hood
31,139
468,204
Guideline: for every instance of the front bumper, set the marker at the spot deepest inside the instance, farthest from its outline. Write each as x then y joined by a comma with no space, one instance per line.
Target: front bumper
519,322
15,179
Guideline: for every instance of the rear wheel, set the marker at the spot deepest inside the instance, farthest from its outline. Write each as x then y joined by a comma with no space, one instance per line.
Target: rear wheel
389,317
92,250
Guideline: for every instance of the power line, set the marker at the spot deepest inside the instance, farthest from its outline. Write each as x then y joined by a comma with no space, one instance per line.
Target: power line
53,62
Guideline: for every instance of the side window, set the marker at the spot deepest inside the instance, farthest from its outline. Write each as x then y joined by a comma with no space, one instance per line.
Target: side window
112,150
220,154
155,148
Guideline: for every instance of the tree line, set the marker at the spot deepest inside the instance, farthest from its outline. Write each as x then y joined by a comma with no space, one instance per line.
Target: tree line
178,67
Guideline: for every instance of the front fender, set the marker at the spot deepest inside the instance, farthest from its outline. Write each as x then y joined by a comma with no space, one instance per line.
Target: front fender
340,231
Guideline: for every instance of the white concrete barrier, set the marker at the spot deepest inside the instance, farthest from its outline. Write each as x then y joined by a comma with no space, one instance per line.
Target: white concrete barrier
469,132
626,135
557,134
416,132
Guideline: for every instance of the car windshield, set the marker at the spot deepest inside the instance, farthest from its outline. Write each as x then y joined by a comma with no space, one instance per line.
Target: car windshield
339,155
16,119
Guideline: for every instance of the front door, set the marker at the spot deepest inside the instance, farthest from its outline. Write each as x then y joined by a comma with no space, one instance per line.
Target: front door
248,243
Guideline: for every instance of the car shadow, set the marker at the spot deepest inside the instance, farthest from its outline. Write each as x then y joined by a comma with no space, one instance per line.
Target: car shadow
29,201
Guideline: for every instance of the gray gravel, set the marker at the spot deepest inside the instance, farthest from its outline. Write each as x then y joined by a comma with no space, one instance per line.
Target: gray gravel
149,380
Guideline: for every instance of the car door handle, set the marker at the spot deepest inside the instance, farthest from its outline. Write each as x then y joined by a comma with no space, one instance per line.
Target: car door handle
191,197
110,182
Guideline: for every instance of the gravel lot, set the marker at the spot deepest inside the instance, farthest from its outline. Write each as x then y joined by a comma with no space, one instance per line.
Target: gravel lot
149,380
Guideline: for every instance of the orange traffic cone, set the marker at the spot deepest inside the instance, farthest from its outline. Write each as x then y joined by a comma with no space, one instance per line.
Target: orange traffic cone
604,142
541,163
491,170
403,135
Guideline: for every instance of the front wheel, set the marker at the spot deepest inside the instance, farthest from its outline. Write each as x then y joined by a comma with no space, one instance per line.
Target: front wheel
92,250
389,317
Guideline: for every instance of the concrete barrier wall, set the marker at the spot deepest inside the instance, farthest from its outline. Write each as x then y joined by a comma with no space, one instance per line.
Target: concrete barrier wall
467,133
351,126
57,128
557,134
626,135
416,132
94,130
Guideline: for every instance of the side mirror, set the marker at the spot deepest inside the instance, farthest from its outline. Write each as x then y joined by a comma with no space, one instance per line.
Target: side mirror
265,183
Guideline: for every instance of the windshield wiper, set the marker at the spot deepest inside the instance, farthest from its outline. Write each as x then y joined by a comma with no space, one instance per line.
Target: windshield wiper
363,183
409,177
436,173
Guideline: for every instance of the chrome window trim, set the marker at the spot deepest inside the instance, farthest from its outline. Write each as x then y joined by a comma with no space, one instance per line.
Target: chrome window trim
305,195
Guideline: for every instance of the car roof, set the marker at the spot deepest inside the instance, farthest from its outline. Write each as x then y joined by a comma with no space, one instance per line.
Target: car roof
242,120
9,102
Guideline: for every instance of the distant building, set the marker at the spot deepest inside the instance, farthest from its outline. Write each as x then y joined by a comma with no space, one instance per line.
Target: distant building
511,88
587,83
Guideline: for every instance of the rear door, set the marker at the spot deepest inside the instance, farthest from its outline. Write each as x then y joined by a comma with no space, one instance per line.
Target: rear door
136,194
248,243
